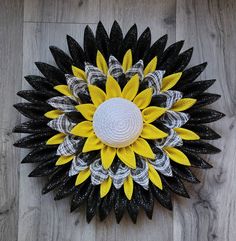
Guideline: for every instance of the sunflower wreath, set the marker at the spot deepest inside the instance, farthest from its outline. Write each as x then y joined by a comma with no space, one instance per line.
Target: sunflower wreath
119,123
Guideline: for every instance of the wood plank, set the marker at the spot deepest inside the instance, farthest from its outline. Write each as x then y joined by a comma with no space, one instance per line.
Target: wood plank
11,27
70,11
209,27
160,17
40,217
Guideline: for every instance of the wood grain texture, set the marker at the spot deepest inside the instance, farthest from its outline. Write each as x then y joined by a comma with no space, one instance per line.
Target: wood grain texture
208,26
11,17
210,213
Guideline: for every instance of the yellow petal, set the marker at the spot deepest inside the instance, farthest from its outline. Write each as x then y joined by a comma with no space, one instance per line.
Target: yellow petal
82,176
151,67
64,89
53,114
151,132
183,104
101,62
131,88
112,88
97,95
142,148
127,60
79,73
92,143
107,155
105,187
151,113
86,110
57,139
83,129
143,99
128,187
64,159
154,177
177,156
126,155
186,134
170,81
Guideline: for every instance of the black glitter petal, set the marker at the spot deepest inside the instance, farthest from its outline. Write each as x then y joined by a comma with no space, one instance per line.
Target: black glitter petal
116,38
90,47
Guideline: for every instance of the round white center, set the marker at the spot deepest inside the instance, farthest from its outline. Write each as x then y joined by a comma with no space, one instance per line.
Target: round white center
117,122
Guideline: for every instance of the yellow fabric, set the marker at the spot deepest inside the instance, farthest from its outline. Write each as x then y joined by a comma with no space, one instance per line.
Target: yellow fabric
82,176
127,60
64,159
92,143
127,156
154,176
151,67
112,88
107,155
183,104
142,148
97,95
131,88
186,134
170,81
83,129
143,99
57,139
101,62
64,89
177,156
105,187
128,187
79,73
151,113
151,132
86,110
53,114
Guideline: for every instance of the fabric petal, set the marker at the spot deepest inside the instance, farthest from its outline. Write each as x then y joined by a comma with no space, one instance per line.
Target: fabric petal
142,148
183,104
127,60
112,88
53,114
115,68
173,119
151,132
69,146
154,80
64,159
101,62
105,187
63,89
63,103
151,66
170,81
83,129
98,173
97,95
154,177
173,139
77,86
82,176
126,155
143,99
151,113
107,156
86,110
177,156
171,97
131,88
94,74
128,187
186,134
135,69
78,164
56,139
119,177
79,73
92,143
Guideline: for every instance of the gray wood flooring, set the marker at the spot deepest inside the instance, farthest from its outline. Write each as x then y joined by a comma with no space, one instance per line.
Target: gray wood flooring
28,27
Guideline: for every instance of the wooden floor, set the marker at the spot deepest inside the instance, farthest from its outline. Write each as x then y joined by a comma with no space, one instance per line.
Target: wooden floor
28,27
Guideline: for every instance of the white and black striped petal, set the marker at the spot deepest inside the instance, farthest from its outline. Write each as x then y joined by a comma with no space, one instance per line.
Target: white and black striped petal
115,68
173,139
171,97
78,164
135,69
98,173
63,103
94,74
172,119
119,177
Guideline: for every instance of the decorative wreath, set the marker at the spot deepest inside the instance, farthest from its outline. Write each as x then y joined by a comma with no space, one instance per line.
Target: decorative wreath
119,124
